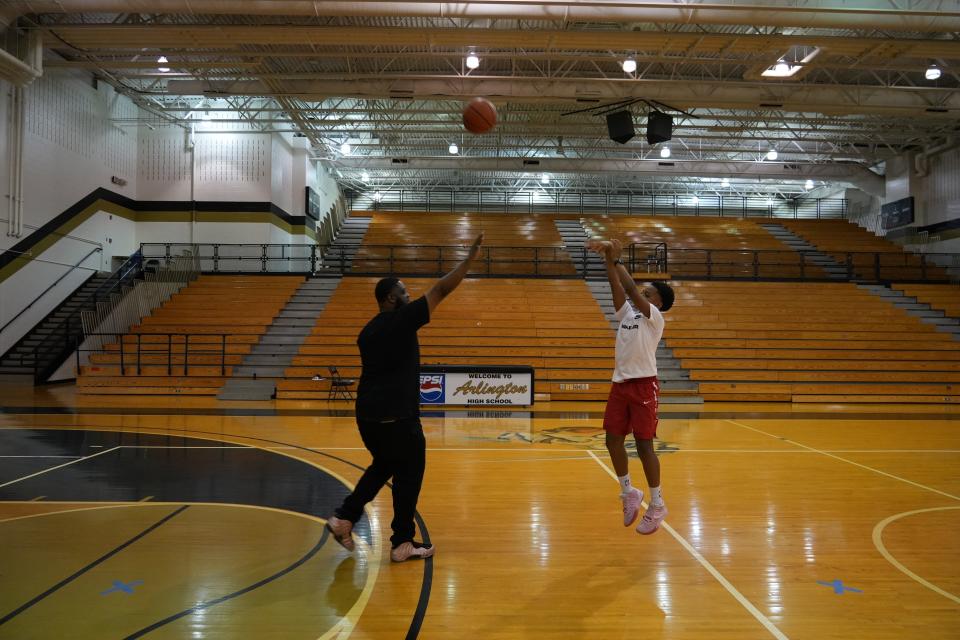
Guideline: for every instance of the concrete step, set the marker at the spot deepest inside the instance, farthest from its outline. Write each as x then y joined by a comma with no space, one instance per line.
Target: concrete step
240,389
258,371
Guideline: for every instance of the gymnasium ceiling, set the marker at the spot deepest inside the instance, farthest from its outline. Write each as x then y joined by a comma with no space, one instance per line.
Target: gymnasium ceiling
390,79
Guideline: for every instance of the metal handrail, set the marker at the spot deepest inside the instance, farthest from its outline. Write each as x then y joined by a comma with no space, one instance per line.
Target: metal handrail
123,273
45,291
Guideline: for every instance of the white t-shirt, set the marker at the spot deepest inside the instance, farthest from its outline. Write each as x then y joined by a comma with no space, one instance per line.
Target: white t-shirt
637,340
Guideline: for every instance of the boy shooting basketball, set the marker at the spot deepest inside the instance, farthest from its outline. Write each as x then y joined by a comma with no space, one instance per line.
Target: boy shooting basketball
632,404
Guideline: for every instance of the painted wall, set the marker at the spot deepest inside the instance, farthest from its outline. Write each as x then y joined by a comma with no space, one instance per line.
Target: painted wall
79,134
74,142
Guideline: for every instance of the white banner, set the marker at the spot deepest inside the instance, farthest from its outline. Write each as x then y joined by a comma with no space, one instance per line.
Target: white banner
476,388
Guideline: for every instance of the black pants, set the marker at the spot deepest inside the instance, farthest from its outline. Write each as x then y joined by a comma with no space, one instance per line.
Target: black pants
399,451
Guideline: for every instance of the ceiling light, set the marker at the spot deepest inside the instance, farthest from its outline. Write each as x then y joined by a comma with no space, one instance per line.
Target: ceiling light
453,148
665,152
725,183
345,148
544,178
772,154
377,196
696,199
782,67
162,61
932,73
472,60
629,65
808,184
365,177
769,202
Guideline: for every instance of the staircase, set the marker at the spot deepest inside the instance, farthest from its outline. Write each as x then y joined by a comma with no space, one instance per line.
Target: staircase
30,354
255,378
834,269
338,258
675,384
913,307
575,239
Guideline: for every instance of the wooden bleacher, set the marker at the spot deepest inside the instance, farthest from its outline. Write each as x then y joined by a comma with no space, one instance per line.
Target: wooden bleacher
945,297
838,238
730,241
508,241
190,344
807,342
555,326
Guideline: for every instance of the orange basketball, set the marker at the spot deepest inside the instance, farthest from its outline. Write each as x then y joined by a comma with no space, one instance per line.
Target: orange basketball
479,116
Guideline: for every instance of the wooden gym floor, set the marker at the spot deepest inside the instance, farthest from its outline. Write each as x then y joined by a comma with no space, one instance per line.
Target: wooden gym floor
192,518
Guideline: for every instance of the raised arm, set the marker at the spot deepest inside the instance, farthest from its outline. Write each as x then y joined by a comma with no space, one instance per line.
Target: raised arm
626,280
445,285
607,248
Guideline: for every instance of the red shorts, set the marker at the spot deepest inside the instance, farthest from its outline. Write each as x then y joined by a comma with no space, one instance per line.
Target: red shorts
632,408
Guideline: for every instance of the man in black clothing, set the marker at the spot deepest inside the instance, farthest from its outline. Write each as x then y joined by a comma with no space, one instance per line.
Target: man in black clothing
388,409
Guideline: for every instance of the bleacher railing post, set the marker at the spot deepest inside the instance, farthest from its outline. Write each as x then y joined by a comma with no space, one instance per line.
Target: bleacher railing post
122,372
169,354
223,354
138,352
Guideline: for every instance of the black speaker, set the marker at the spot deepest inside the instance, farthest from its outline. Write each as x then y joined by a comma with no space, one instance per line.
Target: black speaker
620,126
659,127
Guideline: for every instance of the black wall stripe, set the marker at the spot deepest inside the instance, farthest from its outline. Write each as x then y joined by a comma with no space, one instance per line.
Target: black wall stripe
141,206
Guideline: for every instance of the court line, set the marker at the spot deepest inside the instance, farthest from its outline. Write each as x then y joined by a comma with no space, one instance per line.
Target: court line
41,456
878,543
59,466
202,606
856,464
90,566
774,631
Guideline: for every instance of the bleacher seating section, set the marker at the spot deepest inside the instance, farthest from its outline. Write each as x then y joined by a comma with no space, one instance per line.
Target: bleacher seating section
945,297
808,342
750,341
224,316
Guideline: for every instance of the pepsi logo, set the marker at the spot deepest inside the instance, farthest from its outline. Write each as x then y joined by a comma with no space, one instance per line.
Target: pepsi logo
431,388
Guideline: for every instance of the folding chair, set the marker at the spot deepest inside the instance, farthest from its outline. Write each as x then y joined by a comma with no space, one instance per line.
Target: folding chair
340,387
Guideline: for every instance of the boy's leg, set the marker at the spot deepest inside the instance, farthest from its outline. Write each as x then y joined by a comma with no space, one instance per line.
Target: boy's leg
651,468
616,424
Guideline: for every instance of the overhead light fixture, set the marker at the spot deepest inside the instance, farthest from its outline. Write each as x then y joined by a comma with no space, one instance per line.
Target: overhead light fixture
696,199
629,65
345,148
932,72
769,202
377,196
453,148
724,183
472,60
162,61
365,177
808,185
544,178
772,154
665,152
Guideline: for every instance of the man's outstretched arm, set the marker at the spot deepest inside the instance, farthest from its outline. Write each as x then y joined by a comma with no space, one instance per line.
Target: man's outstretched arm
445,285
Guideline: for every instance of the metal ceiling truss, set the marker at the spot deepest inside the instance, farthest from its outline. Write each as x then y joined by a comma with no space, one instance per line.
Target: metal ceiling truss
391,80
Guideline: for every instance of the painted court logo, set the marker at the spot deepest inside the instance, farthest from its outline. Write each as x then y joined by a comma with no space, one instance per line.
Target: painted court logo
431,388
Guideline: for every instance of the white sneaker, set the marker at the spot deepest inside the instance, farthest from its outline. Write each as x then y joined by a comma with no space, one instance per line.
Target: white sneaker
651,520
411,551
631,505
341,530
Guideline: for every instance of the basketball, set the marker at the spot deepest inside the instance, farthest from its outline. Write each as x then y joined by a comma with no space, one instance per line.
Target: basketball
479,116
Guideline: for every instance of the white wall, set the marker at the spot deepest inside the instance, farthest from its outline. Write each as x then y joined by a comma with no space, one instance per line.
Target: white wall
78,135
71,148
